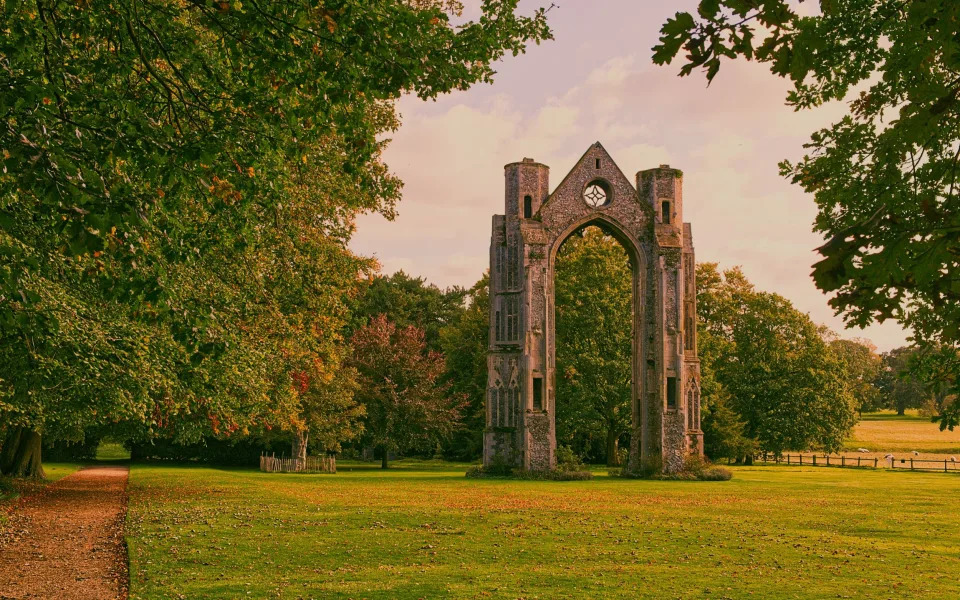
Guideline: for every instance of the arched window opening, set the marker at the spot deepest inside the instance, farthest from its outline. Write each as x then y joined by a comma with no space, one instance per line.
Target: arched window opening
665,212
594,321
527,207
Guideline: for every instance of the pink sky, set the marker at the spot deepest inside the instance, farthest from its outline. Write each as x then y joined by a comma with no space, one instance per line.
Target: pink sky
596,82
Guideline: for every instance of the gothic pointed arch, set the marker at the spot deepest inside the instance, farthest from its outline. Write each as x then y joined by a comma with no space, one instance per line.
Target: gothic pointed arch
523,249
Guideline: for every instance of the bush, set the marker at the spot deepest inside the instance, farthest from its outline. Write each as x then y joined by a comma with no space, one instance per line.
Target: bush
567,460
649,467
716,474
695,468
554,475
569,468
67,450
230,452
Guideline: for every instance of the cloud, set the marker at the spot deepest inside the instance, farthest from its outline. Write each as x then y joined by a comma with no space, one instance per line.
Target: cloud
727,139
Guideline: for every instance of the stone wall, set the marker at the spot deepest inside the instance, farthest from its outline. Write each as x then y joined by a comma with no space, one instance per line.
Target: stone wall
524,243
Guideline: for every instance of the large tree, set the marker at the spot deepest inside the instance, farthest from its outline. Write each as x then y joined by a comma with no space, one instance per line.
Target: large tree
861,366
784,380
465,342
899,388
399,384
885,176
407,300
160,159
594,325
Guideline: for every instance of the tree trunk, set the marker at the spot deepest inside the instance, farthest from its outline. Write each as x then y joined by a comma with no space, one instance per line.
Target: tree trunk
22,458
613,447
299,450
9,449
384,457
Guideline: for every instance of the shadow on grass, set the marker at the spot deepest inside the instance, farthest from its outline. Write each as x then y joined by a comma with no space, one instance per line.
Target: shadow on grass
910,416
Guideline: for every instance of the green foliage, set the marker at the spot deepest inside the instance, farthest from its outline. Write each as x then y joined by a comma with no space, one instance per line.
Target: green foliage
178,186
723,429
783,380
715,474
884,177
465,342
569,468
861,366
899,388
66,450
407,301
407,405
935,369
244,452
695,468
567,460
594,318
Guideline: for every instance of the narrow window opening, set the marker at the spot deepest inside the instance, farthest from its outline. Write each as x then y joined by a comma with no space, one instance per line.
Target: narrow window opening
598,163
671,392
527,207
537,393
665,212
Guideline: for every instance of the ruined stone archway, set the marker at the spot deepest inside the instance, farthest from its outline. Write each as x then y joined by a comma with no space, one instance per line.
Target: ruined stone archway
647,221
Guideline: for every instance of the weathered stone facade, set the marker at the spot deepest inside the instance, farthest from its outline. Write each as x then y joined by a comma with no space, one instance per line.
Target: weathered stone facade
648,221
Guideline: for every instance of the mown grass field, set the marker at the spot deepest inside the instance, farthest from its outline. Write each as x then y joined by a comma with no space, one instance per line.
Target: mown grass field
888,432
423,530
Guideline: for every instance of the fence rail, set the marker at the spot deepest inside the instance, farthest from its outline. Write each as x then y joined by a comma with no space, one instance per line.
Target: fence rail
312,464
824,460
926,464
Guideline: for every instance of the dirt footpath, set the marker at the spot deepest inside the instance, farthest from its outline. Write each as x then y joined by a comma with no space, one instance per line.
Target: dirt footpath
66,542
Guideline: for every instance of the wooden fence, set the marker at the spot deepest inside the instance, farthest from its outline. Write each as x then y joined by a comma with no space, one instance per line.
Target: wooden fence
823,460
925,464
312,464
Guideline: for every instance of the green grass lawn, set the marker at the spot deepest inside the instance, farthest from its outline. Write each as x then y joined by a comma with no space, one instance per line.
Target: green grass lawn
425,531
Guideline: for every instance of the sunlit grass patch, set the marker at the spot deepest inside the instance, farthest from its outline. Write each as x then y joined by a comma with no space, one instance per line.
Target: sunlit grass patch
886,432
112,451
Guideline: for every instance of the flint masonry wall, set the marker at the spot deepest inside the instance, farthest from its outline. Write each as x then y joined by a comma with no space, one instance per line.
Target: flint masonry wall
647,220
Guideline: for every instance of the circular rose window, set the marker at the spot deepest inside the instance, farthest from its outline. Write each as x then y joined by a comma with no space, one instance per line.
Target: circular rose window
596,194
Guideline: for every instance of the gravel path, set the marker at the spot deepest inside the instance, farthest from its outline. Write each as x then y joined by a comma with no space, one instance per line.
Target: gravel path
66,542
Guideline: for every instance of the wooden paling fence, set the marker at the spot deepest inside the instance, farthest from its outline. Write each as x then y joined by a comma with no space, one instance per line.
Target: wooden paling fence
312,464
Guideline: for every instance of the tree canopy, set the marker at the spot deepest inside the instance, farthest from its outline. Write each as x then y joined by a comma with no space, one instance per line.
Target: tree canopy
408,406
884,177
783,379
178,185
